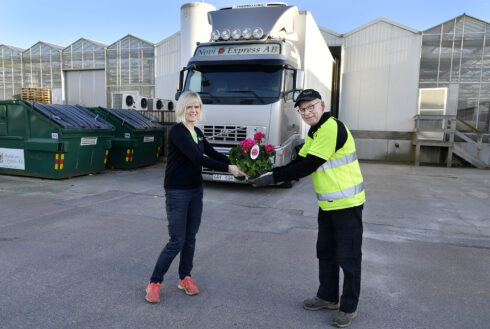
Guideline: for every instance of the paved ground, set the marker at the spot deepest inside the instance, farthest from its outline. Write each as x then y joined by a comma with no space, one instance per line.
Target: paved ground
78,253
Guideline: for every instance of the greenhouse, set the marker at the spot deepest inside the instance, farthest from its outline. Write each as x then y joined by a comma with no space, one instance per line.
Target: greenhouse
41,66
84,54
130,66
10,71
456,55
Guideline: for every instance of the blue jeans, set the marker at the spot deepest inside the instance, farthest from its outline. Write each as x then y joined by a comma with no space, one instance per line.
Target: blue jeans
184,209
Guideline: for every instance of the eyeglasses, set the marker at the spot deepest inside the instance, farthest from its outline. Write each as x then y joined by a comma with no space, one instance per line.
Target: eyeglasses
308,108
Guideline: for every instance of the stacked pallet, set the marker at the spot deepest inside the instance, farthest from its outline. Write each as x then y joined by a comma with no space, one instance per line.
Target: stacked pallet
38,95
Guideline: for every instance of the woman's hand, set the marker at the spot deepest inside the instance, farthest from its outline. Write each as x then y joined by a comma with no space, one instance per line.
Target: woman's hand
235,171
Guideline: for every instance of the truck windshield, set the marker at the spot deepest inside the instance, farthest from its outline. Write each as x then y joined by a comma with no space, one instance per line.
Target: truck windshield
235,84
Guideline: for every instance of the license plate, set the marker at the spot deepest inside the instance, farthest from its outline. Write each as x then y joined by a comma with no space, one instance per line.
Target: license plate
225,178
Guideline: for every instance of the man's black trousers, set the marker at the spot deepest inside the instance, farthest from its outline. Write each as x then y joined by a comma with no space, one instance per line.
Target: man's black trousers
339,244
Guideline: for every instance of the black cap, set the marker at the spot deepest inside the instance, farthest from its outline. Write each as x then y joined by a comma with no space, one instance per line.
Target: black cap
307,95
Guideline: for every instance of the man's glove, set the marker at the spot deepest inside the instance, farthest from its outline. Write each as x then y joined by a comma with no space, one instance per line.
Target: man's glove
264,180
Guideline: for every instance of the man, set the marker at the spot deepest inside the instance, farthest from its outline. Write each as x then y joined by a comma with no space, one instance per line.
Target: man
329,154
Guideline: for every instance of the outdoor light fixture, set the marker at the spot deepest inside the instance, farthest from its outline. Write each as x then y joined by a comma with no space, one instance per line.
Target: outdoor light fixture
247,33
258,33
225,34
236,34
215,35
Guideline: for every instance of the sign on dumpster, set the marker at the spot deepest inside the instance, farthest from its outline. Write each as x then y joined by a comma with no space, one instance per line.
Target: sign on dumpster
12,158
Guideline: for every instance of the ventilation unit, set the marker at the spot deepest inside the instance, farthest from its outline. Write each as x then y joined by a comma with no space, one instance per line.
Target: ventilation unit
125,100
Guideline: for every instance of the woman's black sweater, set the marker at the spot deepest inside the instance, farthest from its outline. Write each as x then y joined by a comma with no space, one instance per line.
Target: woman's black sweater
186,158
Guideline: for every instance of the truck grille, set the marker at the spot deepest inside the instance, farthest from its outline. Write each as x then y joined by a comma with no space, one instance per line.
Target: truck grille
225,134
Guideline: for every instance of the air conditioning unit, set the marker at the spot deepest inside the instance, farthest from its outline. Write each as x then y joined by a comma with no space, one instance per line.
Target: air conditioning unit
155,104
143,104
158,104
125,100
169,105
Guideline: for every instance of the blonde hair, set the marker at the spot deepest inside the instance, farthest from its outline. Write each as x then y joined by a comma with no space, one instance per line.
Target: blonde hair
186,99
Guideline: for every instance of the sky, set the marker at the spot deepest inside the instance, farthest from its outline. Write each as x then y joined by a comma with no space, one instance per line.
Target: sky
62,22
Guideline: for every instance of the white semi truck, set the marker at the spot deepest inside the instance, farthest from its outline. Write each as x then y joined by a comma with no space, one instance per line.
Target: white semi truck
248,74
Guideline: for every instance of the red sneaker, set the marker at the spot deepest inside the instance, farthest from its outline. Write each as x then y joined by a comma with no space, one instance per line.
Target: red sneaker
189,285
153,292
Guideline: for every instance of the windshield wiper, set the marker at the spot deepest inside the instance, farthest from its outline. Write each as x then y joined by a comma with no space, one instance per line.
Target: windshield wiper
211,95
239,91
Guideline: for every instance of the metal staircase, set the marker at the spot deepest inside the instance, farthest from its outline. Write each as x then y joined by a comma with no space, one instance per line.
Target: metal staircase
442,131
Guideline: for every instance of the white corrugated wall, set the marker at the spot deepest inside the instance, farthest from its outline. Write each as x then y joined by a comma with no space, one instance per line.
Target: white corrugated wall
380,72
168,66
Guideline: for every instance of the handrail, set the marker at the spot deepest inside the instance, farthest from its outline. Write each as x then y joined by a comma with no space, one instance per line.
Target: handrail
448,119
475,130
467,139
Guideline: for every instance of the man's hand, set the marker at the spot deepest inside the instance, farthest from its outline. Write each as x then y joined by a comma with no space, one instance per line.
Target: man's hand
264,180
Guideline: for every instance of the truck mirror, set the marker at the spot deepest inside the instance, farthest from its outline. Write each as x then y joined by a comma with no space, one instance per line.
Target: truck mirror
299,79
181,79
296,94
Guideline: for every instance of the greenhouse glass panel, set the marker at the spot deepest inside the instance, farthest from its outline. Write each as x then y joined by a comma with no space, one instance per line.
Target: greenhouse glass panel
46,67
486,57
84,55
471,57
448,27
430,58
445,58
456,58
459,25
435,30
10,71
76,55
134,68
124,68
484,116
88,61
468,102
99,56
130,67
42,66
472,25
34,71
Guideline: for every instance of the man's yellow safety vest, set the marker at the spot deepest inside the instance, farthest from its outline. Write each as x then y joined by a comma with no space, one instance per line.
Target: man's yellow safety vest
338,182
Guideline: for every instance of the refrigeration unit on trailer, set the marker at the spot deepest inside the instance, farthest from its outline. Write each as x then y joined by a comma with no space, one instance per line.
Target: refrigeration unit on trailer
258,58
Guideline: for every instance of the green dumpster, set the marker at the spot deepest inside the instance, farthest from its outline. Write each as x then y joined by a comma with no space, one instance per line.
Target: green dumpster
137,140
51,141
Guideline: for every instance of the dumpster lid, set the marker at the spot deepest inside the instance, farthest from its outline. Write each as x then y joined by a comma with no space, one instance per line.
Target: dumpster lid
69,116
133,118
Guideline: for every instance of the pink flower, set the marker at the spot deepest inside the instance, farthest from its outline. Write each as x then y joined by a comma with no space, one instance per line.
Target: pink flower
247,144
259,136
269,148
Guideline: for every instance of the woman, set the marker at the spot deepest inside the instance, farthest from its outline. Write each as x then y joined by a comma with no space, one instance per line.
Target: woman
187,148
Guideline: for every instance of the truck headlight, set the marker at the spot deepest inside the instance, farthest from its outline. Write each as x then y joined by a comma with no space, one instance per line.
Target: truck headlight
225,34
236,34
247,33
258,33
215,35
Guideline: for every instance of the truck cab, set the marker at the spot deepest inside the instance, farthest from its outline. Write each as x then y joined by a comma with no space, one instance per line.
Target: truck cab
247,76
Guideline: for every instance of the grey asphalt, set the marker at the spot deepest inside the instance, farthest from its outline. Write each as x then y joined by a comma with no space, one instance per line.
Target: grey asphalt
78,253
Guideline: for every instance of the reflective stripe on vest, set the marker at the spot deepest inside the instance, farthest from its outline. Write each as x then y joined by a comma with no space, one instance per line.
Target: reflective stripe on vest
348,192
334,163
